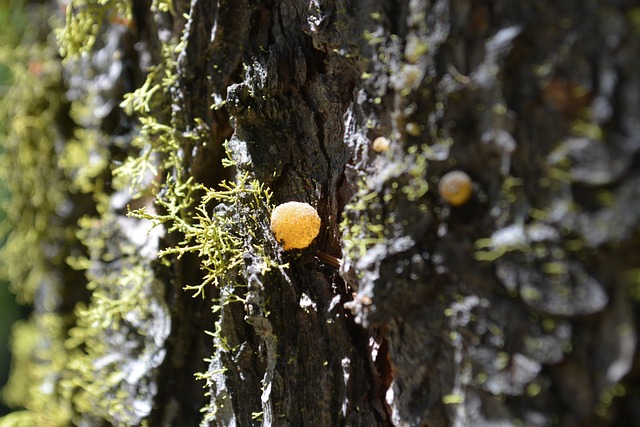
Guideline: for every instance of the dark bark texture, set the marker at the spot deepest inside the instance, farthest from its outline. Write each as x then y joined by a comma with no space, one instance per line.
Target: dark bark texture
517,307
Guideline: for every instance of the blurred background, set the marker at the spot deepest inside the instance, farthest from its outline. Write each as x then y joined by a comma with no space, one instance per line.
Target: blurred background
12,27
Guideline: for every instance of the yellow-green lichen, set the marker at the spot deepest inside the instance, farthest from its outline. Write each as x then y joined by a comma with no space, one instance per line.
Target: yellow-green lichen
85,375
39,357
36,228
70,367
84,161
217,236
367,222
117,340
28,167
157,143
85,22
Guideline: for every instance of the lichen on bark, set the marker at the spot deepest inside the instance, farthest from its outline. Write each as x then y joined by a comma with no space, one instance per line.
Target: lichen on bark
509,308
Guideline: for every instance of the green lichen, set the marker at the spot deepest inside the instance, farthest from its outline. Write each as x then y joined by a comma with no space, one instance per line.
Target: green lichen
119,333
216,237
36,229
366,222
157,144
84,160
98,362
86,21
587,129
226,224
39,356
69,366
163,6
31,109
220,225
359,230
632,280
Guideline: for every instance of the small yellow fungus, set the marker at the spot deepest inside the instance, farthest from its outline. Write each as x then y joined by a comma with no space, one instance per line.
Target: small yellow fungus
381,144
455,187
295,224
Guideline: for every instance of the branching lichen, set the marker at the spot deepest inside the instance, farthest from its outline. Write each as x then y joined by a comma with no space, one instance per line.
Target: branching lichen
119,335
73,365
157,142
85,20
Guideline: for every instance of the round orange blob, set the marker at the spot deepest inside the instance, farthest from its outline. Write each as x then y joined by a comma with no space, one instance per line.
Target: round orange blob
455,187
381,144
295,224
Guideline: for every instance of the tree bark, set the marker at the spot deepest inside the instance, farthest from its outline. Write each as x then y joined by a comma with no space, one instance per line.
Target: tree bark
517,306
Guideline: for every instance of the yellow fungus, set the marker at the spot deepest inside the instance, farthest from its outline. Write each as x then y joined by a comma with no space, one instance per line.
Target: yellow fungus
295,224
381,144
455,187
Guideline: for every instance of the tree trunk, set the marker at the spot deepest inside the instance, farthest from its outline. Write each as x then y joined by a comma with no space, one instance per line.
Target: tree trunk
418,304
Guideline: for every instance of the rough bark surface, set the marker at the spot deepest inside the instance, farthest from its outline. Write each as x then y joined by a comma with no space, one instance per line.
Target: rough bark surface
519,307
